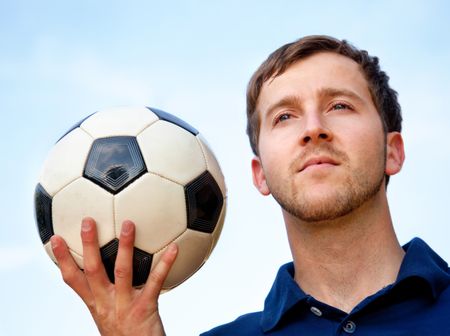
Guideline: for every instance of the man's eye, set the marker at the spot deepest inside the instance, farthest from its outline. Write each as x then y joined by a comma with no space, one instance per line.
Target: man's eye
340,106
283,117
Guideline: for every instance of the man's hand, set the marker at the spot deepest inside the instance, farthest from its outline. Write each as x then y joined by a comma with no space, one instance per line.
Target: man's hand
118,309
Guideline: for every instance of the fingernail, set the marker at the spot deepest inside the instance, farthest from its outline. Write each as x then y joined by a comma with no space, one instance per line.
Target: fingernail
85,225
172,248
127,227
54,242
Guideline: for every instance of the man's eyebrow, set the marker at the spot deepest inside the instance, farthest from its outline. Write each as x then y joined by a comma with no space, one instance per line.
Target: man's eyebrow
287,101
295,101
334,92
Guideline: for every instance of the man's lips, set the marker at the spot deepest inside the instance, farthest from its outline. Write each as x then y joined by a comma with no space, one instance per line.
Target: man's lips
318,161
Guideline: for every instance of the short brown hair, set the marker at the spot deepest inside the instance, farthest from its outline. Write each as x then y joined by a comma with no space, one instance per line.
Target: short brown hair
383,96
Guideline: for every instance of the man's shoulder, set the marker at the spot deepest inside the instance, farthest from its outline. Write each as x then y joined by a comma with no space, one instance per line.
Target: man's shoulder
248,324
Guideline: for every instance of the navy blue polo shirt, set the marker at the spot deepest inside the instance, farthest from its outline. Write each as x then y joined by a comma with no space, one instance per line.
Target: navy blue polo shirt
418,303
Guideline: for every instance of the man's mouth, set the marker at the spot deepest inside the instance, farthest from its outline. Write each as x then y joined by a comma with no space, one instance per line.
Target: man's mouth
317,162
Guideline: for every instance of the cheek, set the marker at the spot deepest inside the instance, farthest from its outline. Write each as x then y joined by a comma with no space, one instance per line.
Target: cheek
370,149
272,145
283,138
276,158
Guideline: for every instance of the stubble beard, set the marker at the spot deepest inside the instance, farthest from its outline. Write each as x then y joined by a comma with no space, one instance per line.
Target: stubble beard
344,197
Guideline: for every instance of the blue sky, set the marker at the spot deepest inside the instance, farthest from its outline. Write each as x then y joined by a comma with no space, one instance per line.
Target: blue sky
62,60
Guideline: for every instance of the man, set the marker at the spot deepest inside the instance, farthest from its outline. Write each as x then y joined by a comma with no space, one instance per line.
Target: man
325,129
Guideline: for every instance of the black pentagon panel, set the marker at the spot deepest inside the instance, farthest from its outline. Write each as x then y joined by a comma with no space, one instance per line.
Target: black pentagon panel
43,212
78,124
114,162
174,120
204,202
109,254
142,263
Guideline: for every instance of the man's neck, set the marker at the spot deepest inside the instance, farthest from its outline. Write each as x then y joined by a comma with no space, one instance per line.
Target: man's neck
343,261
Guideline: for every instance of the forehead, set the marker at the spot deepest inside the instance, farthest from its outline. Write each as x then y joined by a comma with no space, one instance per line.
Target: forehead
308,76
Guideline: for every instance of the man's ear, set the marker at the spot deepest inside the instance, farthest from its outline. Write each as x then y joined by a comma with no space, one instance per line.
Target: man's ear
395,153
259,178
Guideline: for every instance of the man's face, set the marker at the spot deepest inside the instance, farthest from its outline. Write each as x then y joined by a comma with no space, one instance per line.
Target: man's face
322,149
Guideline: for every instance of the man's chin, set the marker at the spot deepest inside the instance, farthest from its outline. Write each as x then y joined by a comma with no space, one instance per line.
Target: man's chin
323,208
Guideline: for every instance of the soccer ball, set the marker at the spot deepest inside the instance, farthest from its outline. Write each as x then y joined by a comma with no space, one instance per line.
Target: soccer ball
141,164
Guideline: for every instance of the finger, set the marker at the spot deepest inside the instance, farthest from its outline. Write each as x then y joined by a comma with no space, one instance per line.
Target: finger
71,273
159,274
123,270
93,265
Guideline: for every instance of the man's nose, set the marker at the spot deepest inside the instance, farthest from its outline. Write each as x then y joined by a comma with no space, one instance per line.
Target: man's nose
315,129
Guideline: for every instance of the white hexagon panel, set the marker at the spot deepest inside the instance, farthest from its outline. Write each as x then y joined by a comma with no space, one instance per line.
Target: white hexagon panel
80,199
118,121
193,247
157,207
172,152
66,160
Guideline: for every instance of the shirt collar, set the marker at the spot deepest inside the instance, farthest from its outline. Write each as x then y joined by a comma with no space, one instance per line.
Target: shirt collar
285,294
422,262
419,261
